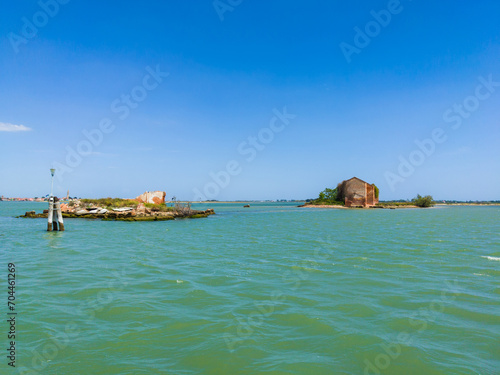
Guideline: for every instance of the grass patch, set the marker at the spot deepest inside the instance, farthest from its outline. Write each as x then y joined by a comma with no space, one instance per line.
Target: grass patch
159,207
394,204
318,202
110,202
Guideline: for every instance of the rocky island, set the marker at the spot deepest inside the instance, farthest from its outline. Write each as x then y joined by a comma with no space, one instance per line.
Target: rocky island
149,206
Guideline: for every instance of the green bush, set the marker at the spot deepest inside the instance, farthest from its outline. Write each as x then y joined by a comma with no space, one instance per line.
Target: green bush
395,204
111,202
377,191
426,201
328,197
158,207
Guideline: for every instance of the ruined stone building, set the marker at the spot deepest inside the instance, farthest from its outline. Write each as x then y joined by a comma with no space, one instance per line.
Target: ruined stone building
156,197
357,192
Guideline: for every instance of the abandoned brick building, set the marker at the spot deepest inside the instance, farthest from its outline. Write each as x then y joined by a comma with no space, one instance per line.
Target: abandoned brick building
357,192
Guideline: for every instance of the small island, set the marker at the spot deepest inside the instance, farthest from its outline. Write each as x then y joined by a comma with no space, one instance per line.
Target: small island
356,193
149,206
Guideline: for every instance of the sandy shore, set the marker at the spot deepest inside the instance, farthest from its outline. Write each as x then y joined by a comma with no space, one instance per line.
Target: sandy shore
323,206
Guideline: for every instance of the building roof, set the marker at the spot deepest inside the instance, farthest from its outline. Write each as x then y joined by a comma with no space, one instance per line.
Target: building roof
359,179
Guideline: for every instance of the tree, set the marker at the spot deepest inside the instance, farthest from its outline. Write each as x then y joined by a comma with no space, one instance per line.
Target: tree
377,191
426,201
329,196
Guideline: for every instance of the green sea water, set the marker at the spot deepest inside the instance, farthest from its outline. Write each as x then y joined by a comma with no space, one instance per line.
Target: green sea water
270,289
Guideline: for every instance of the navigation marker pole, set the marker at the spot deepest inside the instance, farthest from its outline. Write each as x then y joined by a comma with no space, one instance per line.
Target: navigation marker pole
51,213
54,209
59,216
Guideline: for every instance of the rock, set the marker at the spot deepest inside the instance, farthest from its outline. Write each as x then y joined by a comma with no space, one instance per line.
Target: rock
30,213
124,209
165,214
93,211
157,197
81,212
141,208
66,208
45,211
103,211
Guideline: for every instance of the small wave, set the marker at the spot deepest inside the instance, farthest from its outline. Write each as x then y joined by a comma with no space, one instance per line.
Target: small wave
491,258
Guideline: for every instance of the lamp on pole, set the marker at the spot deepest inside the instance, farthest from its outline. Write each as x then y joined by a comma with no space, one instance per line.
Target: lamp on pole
52,171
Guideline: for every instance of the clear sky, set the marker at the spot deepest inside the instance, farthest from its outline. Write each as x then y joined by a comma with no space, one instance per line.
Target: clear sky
250,99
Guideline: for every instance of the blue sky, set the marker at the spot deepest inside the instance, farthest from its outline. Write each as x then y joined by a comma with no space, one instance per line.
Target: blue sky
221,72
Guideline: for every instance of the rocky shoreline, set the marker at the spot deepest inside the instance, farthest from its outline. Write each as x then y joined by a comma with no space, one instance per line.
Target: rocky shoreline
138,213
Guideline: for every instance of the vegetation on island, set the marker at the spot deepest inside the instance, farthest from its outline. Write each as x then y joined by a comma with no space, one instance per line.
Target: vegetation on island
418,201
159,207
399,203
109,202
330,197
423,202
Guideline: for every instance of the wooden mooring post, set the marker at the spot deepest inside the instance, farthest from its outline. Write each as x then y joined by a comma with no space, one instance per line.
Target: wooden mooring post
55,219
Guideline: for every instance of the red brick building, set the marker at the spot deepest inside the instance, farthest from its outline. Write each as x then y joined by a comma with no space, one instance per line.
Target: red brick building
357,192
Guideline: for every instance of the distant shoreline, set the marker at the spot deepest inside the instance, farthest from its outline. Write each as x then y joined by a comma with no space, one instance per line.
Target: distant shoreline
397,207
355,208
467,204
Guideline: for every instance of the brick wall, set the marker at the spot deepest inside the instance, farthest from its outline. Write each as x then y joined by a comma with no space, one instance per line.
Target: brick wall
370,195
358,193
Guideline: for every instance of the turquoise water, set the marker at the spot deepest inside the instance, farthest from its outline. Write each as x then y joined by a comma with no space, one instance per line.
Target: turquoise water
271,289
